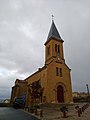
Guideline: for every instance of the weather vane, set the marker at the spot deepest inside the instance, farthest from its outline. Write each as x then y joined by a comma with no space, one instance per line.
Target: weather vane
52,17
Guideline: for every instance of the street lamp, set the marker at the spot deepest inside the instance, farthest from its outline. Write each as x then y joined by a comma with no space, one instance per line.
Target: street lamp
87,89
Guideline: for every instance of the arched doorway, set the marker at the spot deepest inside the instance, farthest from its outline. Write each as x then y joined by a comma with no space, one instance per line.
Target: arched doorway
60,94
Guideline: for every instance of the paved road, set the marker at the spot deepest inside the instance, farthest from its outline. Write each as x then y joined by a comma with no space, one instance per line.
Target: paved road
14,114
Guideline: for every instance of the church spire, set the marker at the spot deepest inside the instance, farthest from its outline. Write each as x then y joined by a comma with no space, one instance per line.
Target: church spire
53,33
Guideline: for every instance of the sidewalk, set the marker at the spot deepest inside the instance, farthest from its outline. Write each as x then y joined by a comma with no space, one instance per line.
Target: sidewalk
55,114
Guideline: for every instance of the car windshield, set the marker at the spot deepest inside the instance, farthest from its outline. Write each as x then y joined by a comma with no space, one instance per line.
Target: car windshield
19,99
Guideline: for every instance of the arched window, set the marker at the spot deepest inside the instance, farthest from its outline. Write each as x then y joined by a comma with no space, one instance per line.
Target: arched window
56,71
48,50
55,47
60,72
58,48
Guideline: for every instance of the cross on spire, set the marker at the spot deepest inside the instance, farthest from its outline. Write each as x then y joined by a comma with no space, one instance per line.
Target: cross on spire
52,17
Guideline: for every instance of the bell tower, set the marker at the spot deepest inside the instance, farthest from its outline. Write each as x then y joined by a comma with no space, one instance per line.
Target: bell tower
54,46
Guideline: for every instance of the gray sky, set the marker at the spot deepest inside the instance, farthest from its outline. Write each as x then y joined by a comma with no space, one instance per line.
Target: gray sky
24,27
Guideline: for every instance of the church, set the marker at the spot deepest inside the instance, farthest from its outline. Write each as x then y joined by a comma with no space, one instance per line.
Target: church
54,77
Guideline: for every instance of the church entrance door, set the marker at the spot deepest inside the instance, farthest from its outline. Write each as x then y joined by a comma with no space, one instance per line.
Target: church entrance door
60,94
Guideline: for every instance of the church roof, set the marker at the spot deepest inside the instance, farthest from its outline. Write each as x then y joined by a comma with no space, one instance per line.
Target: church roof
53,33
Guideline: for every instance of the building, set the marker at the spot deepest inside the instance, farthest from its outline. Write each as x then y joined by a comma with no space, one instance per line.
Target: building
80,95
7,101
75,94
19,90
54,77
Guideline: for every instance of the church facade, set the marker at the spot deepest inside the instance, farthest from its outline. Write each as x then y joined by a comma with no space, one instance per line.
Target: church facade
54,77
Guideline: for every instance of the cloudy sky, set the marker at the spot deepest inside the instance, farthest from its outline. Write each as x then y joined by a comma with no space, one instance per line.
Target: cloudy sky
24,27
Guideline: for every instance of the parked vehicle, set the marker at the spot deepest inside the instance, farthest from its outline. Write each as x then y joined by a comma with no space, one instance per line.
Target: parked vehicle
18,103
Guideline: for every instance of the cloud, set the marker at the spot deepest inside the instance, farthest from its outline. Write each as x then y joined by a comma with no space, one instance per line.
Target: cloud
24,27
7,79
16,4
27,29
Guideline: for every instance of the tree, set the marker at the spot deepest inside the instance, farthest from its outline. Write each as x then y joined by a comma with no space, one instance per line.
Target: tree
36,91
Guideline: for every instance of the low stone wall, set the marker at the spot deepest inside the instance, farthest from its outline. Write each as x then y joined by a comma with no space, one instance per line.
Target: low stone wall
4,104
81,100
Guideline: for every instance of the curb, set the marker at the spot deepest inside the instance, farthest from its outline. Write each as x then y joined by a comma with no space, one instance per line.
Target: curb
31,114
